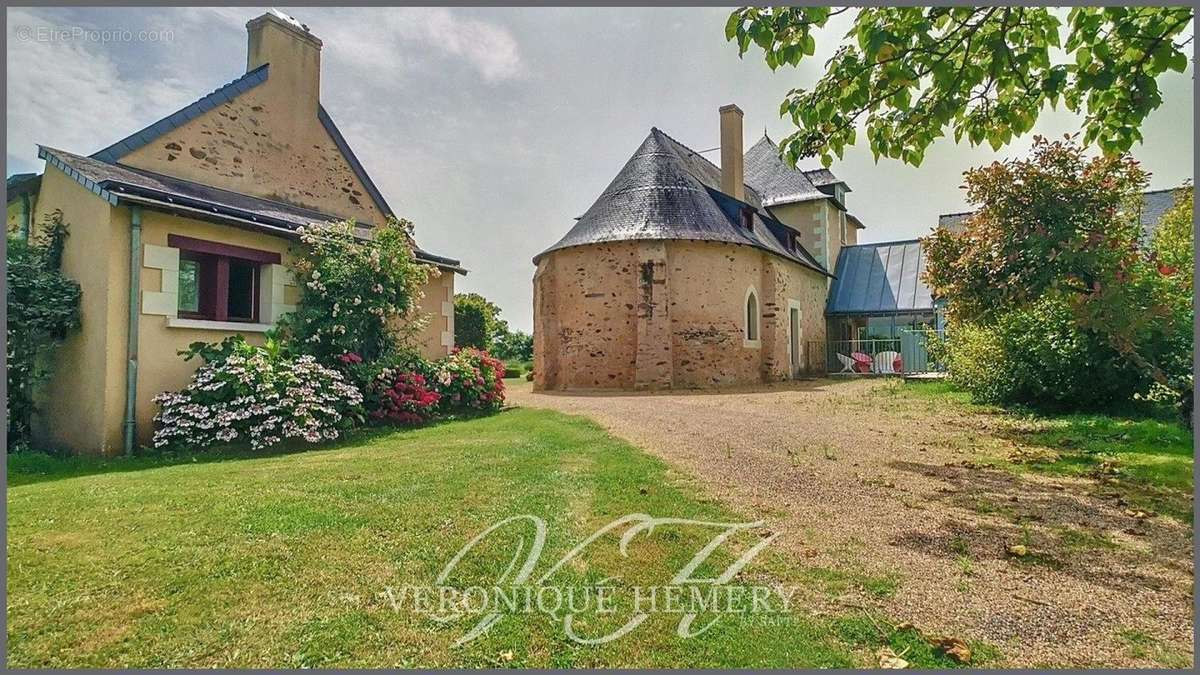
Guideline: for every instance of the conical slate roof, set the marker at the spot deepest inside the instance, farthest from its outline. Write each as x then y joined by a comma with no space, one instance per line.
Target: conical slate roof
775,181
668,191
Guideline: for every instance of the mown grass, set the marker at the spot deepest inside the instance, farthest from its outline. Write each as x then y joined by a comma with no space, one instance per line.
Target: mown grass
242,560
1144,453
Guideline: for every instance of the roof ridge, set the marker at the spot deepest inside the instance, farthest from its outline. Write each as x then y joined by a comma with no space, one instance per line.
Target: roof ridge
189,112
671,138
685,147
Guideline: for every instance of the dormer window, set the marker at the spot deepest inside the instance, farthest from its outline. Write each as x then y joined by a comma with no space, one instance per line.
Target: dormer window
747,218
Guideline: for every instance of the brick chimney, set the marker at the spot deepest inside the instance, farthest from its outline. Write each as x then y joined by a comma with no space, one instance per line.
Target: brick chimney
733,175
294,54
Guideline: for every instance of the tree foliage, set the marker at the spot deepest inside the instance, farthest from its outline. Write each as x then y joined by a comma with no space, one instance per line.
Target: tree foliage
910,73
43,307
514,345
356,295
1060,225
477,321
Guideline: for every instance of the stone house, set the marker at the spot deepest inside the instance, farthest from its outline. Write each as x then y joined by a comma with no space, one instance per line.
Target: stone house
686,274
180,232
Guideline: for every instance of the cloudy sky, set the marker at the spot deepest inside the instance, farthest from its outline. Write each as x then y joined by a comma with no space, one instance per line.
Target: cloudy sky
492,129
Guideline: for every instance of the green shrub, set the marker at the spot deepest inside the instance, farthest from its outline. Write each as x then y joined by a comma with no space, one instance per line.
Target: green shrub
1040,357
43,306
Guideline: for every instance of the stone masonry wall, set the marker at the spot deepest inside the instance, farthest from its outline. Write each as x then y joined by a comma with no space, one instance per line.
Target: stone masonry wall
249,145
586,303
660,314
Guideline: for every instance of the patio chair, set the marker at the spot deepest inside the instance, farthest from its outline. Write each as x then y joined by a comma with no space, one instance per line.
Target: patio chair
888,362
847,363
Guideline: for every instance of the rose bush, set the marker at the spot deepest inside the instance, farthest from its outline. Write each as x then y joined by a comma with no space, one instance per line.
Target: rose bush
469,379
258,395
356,295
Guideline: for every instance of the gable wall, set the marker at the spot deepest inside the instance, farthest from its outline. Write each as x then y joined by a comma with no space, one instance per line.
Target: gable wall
258,145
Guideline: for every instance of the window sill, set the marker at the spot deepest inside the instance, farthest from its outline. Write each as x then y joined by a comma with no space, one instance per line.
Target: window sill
226,326
752,344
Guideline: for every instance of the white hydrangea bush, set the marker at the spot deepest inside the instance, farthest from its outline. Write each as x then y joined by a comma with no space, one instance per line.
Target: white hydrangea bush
252,396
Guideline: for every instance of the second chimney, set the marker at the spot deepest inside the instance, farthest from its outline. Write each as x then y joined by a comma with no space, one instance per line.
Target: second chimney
733,179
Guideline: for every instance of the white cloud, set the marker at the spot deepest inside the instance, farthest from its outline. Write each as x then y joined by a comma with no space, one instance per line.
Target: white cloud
70,94
386,39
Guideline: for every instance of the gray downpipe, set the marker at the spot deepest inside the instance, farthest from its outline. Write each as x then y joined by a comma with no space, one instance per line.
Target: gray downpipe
135,286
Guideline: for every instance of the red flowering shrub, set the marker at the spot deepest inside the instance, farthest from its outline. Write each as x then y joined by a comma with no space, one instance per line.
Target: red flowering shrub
402,398
470,379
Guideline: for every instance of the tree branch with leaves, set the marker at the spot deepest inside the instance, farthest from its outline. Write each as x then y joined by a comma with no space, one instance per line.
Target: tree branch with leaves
909,75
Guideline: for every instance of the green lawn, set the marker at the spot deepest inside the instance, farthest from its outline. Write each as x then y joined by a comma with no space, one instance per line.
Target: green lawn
241,560
1145,454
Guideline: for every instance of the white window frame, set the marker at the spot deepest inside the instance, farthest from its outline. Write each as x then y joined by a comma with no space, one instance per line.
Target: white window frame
756,341
792,303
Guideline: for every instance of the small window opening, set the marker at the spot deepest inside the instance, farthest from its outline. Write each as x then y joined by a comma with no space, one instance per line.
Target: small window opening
217,288
751,316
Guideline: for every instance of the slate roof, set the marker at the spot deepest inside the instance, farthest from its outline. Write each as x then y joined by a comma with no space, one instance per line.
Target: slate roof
822,177
115,183
883,278
953,221
1155,204
776,182
668,191
143,137
21,183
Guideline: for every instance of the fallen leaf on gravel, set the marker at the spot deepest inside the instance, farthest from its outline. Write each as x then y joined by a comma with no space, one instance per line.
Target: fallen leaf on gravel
889,660
1140,515
953,647
1018,550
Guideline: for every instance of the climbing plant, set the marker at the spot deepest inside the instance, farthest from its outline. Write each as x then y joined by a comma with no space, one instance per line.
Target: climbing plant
43,307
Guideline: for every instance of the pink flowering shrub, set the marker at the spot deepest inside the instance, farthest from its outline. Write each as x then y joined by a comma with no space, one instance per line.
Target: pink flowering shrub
401,398
254,395
469,379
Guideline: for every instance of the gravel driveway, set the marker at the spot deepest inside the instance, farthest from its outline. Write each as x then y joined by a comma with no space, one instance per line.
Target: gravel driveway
860,475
